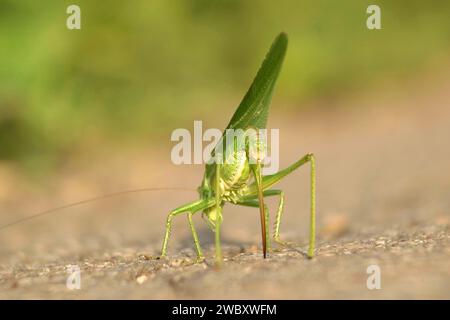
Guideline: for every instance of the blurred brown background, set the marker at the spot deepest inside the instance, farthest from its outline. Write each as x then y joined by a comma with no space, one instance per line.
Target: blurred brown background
90,112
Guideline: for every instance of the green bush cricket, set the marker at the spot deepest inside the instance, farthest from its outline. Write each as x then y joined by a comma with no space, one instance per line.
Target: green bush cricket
240,180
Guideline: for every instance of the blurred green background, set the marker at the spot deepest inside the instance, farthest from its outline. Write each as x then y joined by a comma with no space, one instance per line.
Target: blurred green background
138,69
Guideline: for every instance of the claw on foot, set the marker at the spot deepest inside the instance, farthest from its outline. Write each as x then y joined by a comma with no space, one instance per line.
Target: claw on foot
282,243
200,259
218,262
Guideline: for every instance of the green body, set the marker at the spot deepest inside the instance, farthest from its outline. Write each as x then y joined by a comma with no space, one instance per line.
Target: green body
238,180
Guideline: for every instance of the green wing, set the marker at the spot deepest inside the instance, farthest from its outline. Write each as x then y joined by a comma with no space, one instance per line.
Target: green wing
254,108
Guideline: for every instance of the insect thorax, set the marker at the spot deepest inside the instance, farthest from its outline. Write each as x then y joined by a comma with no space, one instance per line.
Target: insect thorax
234,176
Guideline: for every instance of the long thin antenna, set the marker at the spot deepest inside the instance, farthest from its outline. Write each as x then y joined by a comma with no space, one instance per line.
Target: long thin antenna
106,196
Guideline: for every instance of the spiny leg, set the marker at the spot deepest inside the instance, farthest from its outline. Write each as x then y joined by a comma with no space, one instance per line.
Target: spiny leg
218,222
189,208
276,233
272,179
269,180
312,237
259,188
254,203
200,256
170,217
276,230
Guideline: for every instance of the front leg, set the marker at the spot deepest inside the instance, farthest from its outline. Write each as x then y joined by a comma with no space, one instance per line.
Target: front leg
218,222
190,209
218,257
200,256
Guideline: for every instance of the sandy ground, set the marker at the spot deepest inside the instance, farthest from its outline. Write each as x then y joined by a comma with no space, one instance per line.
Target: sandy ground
383,199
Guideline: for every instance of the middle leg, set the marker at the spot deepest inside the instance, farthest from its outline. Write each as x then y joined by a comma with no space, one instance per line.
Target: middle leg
252,201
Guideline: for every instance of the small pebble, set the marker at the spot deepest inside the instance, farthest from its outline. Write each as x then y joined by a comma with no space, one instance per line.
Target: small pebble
141,279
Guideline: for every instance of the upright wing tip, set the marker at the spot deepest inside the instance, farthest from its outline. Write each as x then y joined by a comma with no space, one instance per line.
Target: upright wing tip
282,38
283,35
279,45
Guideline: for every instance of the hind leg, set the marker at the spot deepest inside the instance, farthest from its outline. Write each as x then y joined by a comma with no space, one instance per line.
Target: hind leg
252,202
270,180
